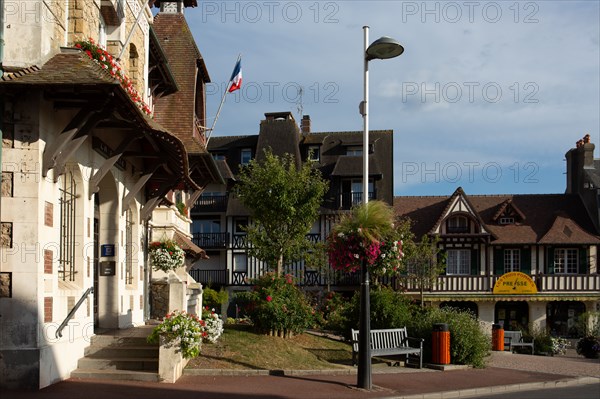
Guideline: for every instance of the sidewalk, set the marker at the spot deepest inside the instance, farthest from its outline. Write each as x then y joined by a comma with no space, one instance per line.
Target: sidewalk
507,372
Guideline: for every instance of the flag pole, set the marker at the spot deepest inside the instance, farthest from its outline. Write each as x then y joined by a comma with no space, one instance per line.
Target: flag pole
221,105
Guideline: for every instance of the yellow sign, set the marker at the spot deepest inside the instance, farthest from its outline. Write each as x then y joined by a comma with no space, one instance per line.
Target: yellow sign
515,283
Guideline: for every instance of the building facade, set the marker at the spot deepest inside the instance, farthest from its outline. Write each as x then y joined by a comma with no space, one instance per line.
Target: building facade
548,243
218,217
84,166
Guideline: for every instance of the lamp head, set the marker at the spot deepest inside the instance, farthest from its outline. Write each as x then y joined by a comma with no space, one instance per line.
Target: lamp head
383,48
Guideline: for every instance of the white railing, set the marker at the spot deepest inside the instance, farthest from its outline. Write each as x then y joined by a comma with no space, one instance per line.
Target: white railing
545,283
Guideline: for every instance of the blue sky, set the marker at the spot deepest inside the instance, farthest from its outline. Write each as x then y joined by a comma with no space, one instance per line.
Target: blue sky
488,95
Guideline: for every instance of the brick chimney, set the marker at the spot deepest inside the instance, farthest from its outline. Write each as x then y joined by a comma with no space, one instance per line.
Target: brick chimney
305,124
578,159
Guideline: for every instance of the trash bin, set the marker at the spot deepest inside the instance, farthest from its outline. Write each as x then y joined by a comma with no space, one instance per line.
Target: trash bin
440,344
497,337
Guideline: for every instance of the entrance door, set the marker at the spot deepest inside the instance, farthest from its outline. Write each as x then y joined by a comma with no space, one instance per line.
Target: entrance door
513,315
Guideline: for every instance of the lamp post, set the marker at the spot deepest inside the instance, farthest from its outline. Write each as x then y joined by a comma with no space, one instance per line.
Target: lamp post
382,48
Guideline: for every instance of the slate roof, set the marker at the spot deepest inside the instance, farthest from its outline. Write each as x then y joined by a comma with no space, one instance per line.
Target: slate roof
549,218
349,166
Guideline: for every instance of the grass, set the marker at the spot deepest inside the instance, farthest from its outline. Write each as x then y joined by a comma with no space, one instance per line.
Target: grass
240,348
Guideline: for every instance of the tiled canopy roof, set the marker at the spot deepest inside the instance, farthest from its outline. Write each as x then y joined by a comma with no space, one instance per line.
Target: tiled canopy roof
71,76
549,218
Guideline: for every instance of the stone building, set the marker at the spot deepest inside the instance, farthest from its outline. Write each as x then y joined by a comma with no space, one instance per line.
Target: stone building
84,167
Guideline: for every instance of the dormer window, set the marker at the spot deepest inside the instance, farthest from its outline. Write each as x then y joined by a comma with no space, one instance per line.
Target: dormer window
245,156
507,220
458,224
314,153
354,151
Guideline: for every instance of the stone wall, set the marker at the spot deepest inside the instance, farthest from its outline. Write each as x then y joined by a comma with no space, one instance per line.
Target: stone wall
159,299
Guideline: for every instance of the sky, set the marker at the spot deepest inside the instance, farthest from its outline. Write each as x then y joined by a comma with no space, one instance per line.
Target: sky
487,96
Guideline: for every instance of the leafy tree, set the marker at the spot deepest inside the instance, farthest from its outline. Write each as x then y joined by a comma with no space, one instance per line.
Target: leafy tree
424,263
284,200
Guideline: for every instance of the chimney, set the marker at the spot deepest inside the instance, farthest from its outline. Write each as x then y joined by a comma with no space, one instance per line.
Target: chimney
579,158
305,124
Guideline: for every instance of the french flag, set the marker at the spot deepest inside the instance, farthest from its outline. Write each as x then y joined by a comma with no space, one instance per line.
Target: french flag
236,77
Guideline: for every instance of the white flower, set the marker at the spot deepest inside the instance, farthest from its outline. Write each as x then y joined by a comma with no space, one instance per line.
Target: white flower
356,256
340,235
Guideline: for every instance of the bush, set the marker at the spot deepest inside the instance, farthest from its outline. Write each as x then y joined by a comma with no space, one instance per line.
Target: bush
468,343
276,306
389,309
214,299
589,347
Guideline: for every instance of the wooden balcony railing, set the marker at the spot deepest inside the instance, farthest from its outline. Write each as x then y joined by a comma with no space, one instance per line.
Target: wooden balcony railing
545,283
211,240
208,277
348,200
211,203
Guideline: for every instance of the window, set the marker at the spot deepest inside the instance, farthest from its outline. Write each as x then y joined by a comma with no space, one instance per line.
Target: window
245,156
240,263
239,225
314,153
512,260
354,151
68,195
219,157
102,33
507,220
208,225
458,262
352,192
565,261
458,224
129,247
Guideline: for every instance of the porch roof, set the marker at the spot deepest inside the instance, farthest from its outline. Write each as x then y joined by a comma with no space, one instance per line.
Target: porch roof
74,81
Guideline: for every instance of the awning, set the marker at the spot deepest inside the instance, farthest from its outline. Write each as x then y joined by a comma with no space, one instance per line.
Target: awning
188,246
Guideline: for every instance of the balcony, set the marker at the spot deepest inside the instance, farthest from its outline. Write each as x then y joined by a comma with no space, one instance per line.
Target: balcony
485,284
209,277
211,240
350,199
211,203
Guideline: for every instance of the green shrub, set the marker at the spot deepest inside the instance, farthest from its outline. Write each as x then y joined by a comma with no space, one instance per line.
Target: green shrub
214,299
589,347
389,309
276,306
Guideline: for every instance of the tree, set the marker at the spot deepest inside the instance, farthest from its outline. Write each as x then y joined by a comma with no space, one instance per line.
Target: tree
284,200
424,263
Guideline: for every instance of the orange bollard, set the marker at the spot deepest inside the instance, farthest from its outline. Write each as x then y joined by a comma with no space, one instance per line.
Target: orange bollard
440,344
497,337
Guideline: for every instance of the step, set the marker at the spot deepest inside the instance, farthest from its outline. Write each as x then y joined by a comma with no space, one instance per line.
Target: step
120,351
123,375
106,340
146,364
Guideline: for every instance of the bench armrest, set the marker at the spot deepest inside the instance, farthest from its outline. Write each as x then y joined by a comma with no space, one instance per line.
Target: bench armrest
417,341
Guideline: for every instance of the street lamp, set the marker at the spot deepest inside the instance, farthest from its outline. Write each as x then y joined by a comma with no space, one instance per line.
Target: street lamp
382,48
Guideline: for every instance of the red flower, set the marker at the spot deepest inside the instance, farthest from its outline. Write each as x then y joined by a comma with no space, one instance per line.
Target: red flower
269,299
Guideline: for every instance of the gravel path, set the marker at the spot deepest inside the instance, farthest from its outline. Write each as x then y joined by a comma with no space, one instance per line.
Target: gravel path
570,364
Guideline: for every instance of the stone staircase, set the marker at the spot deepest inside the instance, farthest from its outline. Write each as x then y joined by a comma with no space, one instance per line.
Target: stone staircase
120,355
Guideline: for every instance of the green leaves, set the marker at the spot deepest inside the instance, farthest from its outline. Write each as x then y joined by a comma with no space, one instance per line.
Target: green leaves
284,200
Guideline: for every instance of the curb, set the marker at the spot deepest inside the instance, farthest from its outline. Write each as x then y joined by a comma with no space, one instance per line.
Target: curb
467,393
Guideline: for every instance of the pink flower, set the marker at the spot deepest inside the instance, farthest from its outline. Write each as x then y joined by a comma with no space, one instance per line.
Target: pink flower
269,299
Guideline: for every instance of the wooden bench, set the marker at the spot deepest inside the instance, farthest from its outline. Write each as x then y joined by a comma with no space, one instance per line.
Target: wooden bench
388,342
513,339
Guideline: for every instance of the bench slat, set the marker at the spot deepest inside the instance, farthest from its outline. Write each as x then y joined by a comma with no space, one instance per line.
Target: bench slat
386,342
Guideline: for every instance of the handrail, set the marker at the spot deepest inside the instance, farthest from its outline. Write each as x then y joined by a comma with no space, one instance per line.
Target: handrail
72,312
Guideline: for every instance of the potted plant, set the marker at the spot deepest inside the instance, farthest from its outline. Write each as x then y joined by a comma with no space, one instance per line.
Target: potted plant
166,255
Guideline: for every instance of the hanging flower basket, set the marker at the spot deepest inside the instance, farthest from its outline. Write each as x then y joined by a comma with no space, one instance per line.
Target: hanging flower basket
166,255
368,235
